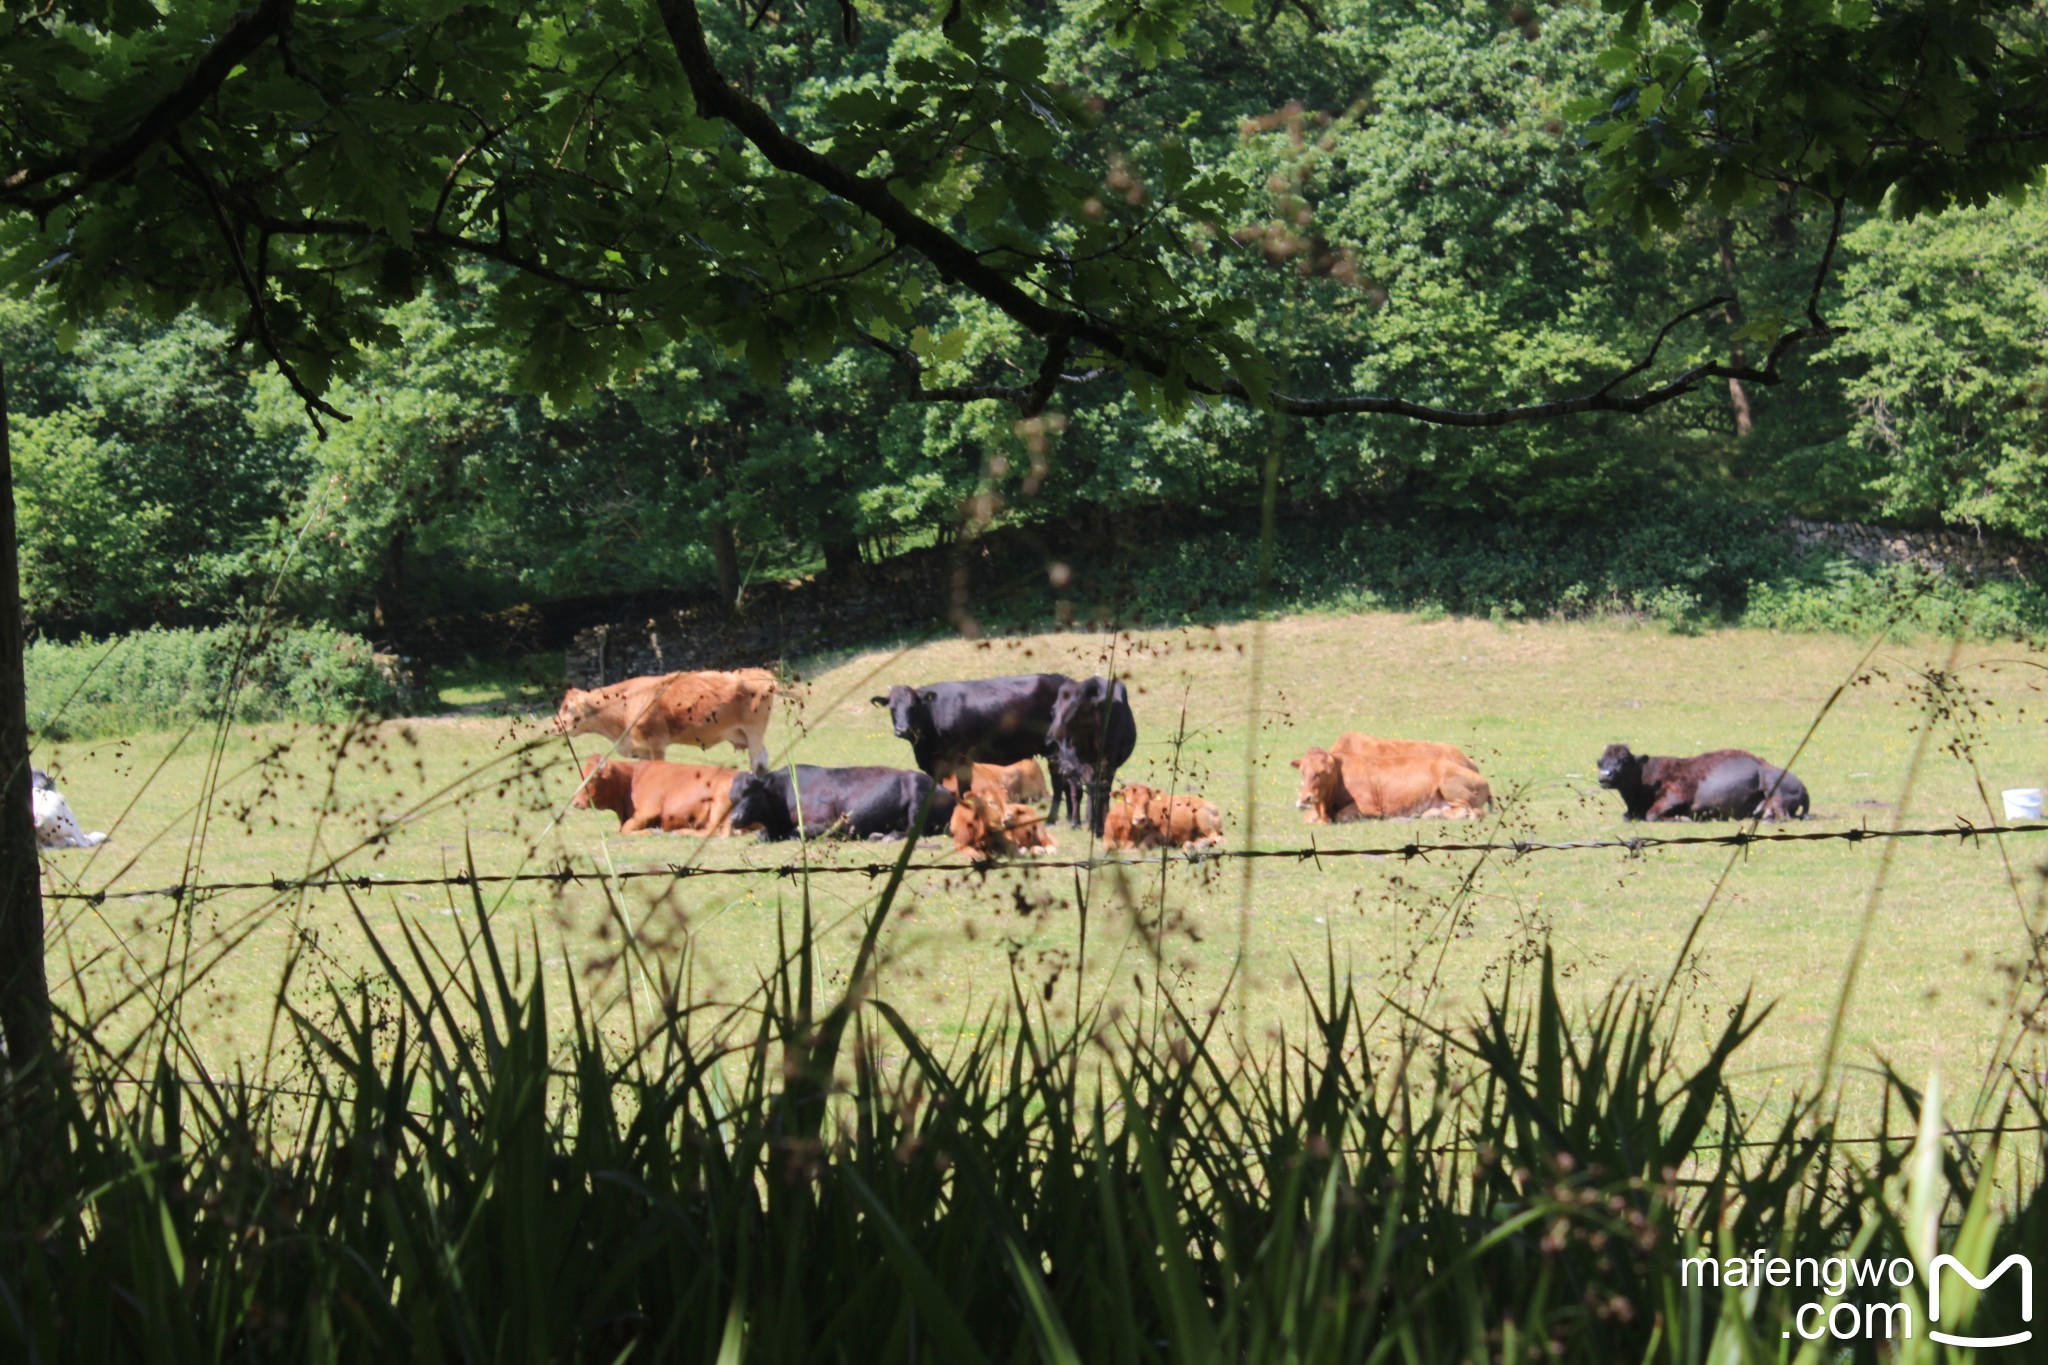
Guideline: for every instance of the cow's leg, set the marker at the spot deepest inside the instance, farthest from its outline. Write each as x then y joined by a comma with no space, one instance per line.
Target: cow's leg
1670,806
638,822
1098,805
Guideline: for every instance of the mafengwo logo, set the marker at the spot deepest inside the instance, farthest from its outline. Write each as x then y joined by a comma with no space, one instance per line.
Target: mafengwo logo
2026,1282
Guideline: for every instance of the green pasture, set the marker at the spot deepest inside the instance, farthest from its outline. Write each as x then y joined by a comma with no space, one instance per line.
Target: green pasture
1943,983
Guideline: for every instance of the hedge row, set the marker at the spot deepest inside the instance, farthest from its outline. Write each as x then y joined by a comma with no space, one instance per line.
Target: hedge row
158,679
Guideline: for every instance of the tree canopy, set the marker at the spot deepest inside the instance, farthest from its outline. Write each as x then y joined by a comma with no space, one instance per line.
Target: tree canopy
643,295
647,172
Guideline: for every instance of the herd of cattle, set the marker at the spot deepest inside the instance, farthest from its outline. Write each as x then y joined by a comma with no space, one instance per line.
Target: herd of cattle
978,747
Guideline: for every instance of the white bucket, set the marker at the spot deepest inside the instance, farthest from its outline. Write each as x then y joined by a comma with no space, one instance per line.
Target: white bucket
2022,803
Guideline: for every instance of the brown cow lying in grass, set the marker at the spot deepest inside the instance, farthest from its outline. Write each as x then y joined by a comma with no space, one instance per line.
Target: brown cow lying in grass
1361,778
1012,782
677,798
987,827
1143,818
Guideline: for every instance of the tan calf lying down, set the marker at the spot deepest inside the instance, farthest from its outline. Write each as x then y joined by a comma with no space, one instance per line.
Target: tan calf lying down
676,798
1144,818
1023,781
986,827
1395,779
646,715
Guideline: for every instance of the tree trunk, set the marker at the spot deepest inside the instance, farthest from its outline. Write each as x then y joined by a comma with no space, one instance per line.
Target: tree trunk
24,985
725,553
388,609
1738,395
842,557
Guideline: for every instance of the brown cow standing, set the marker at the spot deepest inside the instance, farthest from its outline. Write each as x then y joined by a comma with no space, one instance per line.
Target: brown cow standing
677,798
1022,781
986,827
646,715
1368,779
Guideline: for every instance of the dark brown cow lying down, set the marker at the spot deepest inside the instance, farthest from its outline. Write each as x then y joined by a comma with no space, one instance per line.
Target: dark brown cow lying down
1727,784
676,798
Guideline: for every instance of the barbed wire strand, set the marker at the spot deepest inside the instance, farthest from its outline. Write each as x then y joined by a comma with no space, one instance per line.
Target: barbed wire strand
1315,854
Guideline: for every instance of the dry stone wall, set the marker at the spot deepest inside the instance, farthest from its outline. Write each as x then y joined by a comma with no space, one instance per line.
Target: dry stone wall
934,591
1947,551
923,591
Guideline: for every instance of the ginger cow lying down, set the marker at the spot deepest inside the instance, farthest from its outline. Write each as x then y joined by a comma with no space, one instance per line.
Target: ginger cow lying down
1144,818
986,826
676,798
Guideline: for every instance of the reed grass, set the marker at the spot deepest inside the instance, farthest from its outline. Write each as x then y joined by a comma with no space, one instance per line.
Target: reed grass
428,1172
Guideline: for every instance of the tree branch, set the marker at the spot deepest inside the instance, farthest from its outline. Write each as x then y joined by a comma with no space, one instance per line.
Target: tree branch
253,288
248,32
961,265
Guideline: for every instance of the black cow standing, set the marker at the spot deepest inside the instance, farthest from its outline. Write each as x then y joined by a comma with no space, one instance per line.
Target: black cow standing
1093,733
952,726
856,803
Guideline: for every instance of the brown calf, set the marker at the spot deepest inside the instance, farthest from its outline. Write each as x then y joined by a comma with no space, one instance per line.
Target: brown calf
1012,782
986,827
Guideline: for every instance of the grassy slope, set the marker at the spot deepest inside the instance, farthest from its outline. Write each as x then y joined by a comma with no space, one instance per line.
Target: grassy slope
1533,703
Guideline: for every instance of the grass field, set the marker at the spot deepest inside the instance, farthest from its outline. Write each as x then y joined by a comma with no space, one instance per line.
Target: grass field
1220,711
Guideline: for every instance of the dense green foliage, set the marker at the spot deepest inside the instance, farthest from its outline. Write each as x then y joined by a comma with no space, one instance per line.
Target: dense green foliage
1687,567
162,679
1521,1188
1391,200
1948,366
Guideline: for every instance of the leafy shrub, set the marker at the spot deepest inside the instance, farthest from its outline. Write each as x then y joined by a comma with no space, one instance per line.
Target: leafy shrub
1687,568
1691,565
1835,594
156,678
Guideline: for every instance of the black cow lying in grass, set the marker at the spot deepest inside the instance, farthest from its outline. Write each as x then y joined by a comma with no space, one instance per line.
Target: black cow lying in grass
1727,784
853,803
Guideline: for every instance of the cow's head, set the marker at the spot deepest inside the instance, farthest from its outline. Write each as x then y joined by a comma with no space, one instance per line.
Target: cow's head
974,821
577,708
755,803
1077,712
1320,774
1139,797
601,771
1618,765
909,710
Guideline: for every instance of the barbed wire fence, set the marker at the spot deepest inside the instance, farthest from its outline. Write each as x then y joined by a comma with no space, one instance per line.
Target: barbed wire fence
1313,853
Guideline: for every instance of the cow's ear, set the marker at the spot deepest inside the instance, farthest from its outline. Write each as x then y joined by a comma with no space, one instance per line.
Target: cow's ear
878,701
928,698
1294,763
